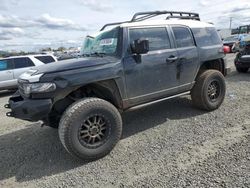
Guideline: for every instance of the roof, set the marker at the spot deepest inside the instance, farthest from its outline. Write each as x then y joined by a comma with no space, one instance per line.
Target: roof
189,23
20,56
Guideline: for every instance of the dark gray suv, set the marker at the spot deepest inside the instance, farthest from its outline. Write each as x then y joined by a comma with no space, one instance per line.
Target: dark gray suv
130,64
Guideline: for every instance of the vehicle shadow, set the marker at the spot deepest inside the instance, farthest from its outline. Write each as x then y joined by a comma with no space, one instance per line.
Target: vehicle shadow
35,152
158,113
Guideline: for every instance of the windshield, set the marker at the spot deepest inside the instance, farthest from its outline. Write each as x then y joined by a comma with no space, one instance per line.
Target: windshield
103,43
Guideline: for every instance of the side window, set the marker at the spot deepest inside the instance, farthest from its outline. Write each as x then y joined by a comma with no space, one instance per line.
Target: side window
183,37
5,64
22,62
158,37
45,59
206,36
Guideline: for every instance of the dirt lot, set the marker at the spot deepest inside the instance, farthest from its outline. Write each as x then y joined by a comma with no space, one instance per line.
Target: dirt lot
169,144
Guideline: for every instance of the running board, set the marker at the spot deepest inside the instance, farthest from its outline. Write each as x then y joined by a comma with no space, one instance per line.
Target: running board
156,101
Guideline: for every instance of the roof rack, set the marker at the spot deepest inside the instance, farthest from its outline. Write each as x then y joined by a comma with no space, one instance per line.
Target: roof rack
140,16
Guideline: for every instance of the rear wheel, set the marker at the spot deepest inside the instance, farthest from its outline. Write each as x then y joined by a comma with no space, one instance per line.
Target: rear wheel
90,128
209,90
241,70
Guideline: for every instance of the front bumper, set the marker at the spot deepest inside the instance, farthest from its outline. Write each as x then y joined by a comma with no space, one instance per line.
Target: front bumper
243,61
28,109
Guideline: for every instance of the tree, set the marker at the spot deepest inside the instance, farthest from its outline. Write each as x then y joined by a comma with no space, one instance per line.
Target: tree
61,49
46,49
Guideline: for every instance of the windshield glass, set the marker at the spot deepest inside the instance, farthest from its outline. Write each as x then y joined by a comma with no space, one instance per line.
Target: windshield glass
103,43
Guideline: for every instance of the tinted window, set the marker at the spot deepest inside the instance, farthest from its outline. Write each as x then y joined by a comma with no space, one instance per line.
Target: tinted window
158,37
22,62
206,36
183,37
45,59
5,64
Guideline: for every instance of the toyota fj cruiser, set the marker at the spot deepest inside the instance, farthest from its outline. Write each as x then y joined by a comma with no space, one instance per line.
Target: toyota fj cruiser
132,64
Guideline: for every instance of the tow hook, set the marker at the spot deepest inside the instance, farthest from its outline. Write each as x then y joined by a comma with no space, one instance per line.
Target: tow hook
9,114
7,106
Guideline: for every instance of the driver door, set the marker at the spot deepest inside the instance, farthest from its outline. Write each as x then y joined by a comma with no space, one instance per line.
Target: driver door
153,76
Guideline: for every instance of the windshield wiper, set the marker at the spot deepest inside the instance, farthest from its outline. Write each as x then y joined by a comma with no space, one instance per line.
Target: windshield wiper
98,54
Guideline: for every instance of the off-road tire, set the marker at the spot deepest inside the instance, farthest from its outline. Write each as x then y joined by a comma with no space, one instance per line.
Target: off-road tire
199,92
242,69
72,119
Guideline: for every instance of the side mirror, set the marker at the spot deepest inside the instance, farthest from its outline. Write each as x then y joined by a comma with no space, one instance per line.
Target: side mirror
140,46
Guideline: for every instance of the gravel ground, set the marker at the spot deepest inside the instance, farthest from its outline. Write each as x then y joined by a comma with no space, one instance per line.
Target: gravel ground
169,144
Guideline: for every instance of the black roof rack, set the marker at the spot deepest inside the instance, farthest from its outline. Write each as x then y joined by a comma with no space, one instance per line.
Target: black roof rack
140,16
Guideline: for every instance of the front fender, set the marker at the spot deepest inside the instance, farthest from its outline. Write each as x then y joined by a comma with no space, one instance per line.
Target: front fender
68,81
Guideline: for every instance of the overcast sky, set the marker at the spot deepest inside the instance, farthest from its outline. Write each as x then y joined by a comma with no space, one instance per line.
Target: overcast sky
33,24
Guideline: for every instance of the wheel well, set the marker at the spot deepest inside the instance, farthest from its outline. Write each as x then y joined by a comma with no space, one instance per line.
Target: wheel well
217,64
106,90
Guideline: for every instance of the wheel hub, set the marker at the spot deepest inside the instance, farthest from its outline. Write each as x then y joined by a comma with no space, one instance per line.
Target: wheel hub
213,90
93,130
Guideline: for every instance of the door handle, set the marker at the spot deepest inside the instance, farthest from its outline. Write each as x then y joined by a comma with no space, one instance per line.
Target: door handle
172,59
9,71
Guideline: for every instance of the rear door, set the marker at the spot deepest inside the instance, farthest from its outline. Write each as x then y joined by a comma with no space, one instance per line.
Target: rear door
6,73
21,65
188,61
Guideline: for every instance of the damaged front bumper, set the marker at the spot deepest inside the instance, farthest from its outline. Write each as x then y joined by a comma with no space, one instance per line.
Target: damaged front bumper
28,109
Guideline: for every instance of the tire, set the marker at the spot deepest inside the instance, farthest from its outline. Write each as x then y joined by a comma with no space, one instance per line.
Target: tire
209,90
241,69
86,119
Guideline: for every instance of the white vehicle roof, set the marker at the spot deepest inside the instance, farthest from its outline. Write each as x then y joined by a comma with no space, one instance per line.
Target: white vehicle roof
20,56
189,23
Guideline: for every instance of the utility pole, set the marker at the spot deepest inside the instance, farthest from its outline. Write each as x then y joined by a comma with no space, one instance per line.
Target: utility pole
230,25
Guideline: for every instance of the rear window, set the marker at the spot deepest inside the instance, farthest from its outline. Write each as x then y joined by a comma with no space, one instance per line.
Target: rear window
183,37
45,59
22,62
206,36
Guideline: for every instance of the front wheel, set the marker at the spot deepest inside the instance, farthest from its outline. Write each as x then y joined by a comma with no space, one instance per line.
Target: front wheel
209,90
90,128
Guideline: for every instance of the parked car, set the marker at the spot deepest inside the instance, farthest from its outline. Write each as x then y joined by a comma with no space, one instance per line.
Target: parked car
242,60
230,41
132,64
12,67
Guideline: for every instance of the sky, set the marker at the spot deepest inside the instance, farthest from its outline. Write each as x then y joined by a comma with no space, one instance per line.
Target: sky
30,25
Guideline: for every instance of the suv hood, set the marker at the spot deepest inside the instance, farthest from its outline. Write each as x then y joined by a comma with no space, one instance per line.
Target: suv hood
74,64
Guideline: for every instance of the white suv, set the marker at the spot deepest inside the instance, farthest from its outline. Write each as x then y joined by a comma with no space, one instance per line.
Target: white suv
12,67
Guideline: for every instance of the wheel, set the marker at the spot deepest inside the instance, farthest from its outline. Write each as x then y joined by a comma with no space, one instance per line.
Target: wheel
90,128
241,70
209,90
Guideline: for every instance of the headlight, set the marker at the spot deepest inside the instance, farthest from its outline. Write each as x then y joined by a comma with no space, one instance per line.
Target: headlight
38,87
